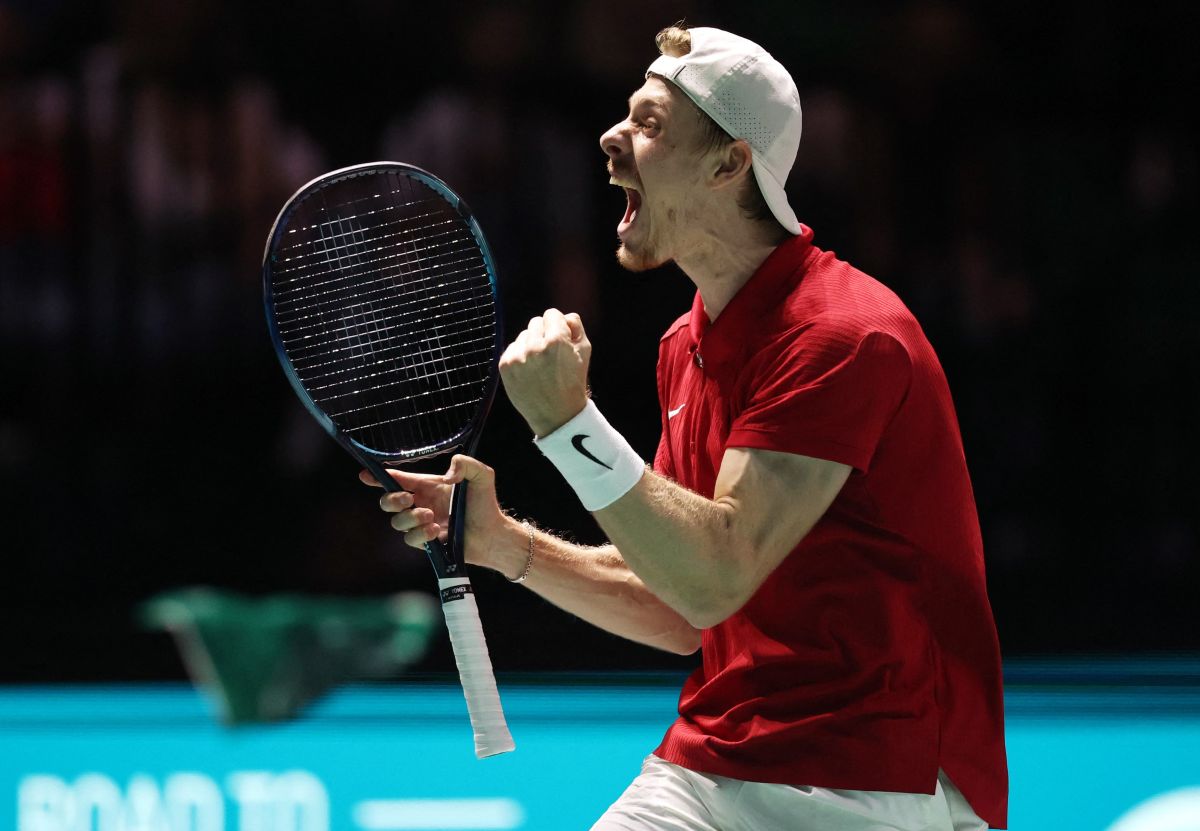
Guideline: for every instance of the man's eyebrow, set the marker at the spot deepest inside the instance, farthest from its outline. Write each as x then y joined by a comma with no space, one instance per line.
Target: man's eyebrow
645,99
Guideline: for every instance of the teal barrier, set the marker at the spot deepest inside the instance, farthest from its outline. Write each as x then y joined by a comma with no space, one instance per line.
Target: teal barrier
1083,755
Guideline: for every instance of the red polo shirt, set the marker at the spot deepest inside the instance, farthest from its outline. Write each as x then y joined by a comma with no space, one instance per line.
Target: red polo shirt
869,658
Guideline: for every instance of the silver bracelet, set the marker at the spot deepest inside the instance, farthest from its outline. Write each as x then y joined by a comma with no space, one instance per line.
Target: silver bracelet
528,560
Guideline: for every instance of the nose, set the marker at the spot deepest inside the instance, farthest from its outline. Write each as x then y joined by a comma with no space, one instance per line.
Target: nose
615,141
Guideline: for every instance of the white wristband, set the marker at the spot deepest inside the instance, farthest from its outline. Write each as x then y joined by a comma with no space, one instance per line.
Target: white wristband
593,457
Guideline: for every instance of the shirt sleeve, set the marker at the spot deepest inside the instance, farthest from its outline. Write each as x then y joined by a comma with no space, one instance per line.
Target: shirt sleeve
824,395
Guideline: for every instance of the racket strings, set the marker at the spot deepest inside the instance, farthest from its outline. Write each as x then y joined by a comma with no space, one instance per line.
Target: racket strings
384,351
377,190
384,288
301,237
436,348
371,321
433,410
385,307
365,325
351,277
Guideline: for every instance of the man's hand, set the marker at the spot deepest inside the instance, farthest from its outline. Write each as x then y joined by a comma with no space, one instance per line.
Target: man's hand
545,370
421,511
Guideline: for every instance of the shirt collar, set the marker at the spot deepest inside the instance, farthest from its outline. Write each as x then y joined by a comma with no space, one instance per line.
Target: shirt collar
717,345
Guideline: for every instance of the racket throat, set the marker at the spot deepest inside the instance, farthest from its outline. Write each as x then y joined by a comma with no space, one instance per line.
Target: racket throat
443,561
447,557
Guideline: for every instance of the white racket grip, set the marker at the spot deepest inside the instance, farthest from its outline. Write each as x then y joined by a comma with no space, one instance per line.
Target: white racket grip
474,667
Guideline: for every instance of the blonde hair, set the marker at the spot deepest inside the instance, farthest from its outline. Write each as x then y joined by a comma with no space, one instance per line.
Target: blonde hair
675,41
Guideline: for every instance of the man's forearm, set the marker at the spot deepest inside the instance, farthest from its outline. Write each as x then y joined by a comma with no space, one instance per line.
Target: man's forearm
706,557
594,584
682,546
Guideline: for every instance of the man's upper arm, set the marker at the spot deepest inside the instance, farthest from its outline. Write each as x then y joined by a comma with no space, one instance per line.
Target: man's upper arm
774,500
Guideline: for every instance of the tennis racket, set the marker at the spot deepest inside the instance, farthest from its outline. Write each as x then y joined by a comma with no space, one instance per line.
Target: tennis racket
381,300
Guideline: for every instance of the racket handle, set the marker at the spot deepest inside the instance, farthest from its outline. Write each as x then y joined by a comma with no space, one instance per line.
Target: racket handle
474,667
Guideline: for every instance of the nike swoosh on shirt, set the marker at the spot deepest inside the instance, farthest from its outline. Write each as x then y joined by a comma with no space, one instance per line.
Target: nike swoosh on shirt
577,441
675,412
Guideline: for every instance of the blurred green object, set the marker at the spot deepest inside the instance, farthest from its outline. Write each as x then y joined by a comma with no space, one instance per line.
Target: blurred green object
265,658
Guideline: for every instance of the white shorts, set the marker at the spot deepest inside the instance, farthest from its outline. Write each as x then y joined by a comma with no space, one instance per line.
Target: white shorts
667,797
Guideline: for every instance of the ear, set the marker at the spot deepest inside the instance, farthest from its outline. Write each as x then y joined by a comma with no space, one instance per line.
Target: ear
732,164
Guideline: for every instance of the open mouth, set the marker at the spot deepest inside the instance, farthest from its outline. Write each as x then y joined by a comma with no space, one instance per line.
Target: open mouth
633,201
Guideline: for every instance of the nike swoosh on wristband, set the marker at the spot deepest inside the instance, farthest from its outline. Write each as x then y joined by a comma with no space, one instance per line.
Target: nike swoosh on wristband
577,443
675,412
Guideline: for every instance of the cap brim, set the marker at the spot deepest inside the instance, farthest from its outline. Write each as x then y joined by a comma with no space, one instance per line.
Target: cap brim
776,197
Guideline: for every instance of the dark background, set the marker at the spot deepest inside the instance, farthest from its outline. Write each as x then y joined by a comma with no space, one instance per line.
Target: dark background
1023,174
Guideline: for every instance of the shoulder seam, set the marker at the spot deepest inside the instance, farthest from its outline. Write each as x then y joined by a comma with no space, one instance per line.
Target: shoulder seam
679,323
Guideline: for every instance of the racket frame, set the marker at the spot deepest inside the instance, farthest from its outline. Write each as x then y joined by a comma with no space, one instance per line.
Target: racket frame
446,558
458,602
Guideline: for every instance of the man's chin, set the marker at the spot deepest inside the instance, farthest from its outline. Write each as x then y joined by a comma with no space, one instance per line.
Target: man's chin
632,260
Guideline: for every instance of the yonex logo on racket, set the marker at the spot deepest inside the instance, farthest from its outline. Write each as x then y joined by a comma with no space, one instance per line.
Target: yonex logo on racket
456,593
577,443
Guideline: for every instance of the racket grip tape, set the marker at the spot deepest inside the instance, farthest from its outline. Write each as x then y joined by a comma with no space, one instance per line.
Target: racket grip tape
474,667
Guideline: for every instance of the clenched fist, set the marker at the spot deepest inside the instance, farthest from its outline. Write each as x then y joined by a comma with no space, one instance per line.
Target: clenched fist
545,370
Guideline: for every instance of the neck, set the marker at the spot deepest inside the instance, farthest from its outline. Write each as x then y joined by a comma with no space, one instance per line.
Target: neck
723,256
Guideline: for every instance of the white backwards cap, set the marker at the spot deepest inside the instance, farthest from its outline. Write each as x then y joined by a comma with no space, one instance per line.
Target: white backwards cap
752,97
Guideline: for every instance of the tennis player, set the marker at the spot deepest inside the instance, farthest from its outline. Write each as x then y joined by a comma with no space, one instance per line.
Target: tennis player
808,521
